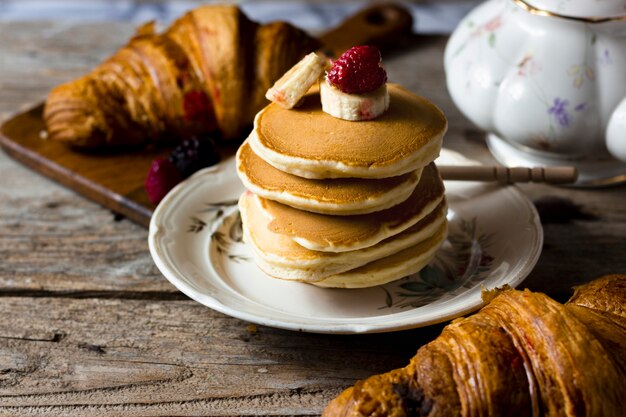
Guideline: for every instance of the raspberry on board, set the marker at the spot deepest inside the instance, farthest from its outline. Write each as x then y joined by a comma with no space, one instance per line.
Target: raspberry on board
358,70
162,177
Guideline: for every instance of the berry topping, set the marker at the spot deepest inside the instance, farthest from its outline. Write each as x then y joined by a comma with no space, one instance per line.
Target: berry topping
358,70
162,177
194,154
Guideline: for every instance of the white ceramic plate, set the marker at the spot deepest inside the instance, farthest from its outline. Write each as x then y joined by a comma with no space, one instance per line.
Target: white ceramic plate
195,239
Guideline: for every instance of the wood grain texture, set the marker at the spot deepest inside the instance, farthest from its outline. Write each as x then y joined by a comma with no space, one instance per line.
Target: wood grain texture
89,326
137,357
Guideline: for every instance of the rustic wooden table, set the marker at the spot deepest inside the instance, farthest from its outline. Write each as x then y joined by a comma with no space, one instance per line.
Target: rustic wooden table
90,327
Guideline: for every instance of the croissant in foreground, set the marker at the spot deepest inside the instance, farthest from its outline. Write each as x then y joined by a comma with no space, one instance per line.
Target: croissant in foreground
207,73
523,354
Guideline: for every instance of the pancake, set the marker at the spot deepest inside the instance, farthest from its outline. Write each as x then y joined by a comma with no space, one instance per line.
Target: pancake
327,233
310,143
341,196
281,257
391,268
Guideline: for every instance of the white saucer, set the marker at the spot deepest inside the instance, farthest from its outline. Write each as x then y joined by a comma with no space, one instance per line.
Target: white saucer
195,240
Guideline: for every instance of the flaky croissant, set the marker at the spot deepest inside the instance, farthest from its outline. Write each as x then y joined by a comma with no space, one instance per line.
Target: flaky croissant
208,72
523,354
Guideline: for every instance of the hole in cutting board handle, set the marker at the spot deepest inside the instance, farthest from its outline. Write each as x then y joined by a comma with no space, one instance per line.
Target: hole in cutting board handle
379,25
382,16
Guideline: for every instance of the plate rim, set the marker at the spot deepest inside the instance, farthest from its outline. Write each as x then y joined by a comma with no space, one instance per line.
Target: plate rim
347,325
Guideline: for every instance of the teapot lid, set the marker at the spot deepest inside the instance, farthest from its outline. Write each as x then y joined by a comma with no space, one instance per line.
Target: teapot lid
595,11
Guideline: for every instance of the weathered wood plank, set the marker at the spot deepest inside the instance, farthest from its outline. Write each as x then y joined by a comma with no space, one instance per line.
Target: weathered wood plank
138,357
584,236
36,56
61,242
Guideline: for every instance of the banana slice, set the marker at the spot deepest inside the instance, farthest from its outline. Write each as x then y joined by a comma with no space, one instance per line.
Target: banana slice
353,107
293,85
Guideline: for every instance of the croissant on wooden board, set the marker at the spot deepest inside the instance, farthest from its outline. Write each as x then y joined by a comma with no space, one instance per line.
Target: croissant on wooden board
207,73
523,354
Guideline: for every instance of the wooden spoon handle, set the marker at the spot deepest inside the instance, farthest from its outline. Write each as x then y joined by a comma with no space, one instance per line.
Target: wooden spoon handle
378,25
504,175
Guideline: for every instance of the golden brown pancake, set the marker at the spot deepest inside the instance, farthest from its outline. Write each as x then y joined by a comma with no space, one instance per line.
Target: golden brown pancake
340,196
390,268
343,233
308,142
279,256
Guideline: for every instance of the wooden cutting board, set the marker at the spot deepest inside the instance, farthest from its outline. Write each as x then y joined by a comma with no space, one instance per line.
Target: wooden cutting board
115,178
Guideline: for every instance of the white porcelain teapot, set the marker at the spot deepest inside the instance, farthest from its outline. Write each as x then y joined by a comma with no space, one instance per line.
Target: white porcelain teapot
547,79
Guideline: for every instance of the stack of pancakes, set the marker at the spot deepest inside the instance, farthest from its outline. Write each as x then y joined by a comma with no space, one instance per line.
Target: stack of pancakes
344,204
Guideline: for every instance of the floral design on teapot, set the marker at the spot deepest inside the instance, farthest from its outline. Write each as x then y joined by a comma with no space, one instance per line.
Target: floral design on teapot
544,84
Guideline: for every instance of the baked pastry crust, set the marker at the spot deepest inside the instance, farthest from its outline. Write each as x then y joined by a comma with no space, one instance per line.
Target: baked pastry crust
208,72
523,354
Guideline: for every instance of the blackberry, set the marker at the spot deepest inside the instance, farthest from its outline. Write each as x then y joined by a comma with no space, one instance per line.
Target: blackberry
194,154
